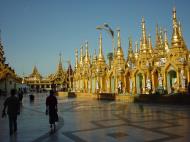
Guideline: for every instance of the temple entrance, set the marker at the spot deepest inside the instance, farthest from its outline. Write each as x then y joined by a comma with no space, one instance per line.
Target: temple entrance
171,80
139,83
127,79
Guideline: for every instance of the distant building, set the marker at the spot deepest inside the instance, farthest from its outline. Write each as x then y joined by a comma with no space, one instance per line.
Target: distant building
145,70
58,81
8,77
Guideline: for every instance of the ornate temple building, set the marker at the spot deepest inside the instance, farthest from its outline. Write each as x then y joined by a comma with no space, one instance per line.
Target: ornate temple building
61,80
8,78
148,68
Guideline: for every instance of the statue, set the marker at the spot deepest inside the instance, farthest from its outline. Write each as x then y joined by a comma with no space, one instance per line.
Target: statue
183,79
160,80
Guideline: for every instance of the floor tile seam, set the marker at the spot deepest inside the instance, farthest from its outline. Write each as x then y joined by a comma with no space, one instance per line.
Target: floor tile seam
157,131
60,124
161,120
96,128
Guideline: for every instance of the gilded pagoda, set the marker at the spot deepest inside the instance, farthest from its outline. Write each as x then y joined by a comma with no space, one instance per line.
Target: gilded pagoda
8,78
60,80
146,69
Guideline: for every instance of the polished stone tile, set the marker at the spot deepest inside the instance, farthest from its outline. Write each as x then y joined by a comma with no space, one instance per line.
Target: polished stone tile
83,120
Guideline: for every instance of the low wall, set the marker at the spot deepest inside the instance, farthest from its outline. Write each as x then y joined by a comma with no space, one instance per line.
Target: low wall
164,99
62,94
125,98
106,96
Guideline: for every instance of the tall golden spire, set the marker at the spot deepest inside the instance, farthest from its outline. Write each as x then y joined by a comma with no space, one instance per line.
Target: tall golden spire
76,58
130,49
100,55
176,40
60,68
2,59
119,49
94,57
144,39
136,50
149,44
140,45
166,45
86,59
35,73
81,56
0,36
180,33
161,38
157,41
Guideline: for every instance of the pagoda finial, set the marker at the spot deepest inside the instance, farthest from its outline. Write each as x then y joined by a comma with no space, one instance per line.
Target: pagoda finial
130,42
136,50
176,40
119,49
100,55
76,58
60,68
181,34
81,55
86,53
161,37
149,43
118,38
179,28
157,41
166,45
94,57
144,40
60,57
130,48
174,17
0,36
140,44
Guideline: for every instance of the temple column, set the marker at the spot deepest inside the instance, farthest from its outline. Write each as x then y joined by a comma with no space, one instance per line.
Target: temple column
178,79
144,84
165,79
153,82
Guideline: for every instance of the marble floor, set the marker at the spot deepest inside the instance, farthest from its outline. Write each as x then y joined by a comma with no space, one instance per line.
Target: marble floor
84,120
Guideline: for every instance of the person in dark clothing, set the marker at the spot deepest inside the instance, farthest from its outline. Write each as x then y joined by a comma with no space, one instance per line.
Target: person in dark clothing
51,109
20,95
13,109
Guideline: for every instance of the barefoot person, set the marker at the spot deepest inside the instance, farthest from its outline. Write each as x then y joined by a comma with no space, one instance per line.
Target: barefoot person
51,109
13,109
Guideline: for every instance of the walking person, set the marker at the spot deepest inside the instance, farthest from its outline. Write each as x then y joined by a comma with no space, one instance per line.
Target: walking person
51,109
13,109
20,95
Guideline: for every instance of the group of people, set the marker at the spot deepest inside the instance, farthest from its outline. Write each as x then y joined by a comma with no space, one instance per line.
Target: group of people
12,109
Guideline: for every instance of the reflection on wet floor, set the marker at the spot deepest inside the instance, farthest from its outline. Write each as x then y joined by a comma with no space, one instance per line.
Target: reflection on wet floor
85,120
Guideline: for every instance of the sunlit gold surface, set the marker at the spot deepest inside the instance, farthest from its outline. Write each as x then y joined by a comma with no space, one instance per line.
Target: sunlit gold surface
145,70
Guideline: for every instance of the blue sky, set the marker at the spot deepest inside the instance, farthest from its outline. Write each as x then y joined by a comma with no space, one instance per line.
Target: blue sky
34,32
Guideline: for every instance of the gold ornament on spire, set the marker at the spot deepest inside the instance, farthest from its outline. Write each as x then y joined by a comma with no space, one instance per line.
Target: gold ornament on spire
100,55
136,50
176,40
119,49
149,44
130,49
81,56
181,35
76,58
86,59
144,40
166,45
